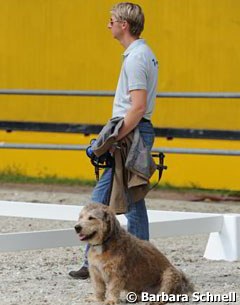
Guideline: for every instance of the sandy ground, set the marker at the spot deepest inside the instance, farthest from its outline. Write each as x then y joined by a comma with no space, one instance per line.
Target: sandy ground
41,276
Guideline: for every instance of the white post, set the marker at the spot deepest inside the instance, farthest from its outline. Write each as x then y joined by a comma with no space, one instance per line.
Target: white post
225,244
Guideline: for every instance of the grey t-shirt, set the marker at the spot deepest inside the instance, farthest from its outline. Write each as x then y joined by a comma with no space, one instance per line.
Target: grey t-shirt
139,71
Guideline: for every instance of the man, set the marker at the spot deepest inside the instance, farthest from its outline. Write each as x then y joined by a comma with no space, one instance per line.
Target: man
134,101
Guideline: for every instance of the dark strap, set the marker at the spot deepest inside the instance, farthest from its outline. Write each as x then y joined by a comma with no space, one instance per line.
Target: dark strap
143,120
160,167
111,183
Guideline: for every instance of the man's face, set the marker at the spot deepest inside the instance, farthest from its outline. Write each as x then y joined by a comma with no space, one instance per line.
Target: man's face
116,27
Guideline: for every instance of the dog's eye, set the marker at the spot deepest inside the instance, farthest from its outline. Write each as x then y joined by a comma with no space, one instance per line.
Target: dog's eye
91,218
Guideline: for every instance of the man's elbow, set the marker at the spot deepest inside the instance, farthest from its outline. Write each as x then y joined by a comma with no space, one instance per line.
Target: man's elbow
141,110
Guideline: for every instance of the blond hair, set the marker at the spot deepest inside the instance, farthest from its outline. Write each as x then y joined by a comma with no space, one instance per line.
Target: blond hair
132,13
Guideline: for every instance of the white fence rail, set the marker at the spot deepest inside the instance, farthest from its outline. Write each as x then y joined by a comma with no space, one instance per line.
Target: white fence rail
224,229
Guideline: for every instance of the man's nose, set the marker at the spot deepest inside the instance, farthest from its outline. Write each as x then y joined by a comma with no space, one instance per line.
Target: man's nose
78,228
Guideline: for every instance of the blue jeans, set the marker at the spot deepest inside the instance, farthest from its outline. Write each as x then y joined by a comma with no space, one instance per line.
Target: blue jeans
137,213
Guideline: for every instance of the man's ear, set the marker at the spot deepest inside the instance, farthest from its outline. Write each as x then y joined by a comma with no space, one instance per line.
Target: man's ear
125,25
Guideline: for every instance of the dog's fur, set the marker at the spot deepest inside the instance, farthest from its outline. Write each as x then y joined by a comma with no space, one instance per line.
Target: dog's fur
119,261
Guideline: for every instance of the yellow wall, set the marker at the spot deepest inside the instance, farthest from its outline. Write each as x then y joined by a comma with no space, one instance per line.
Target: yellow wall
183,170
62,44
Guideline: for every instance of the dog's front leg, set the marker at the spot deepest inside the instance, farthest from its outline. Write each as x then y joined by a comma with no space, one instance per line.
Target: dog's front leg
114,288
99,286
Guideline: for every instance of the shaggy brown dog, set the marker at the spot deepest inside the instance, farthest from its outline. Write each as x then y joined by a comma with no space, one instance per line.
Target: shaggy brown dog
118,261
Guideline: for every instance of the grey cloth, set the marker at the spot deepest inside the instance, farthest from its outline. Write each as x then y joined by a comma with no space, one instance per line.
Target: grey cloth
134,164
107,136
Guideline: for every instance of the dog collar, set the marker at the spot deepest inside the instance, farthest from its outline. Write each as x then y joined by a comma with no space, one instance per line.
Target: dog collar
103,243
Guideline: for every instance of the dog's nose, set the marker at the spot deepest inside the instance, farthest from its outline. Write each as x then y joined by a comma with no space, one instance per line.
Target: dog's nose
78,228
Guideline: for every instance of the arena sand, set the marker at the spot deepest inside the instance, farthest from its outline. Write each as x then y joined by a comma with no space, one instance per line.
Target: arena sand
40,277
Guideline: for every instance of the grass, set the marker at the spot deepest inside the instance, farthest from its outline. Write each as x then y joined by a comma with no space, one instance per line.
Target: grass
16,176
193,188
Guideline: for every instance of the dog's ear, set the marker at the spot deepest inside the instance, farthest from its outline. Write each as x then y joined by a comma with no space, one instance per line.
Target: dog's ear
108,213
106,216
112,221
98,211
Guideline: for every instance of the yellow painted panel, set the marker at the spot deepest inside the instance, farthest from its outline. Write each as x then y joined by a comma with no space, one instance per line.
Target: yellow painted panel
61,109
62,44
178,113
58,44
218,172
197,113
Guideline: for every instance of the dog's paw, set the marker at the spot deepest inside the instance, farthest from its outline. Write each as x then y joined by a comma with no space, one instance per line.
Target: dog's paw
111,301
93,298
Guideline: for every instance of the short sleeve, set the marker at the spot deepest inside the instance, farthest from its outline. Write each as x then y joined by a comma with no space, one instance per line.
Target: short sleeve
136,71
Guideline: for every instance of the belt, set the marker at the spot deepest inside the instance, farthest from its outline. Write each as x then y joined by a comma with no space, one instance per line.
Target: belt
144,120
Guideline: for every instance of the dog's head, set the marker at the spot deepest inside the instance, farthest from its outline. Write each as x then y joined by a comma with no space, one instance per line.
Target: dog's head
96,224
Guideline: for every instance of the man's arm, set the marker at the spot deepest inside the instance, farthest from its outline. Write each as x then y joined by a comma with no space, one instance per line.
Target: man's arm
135,113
